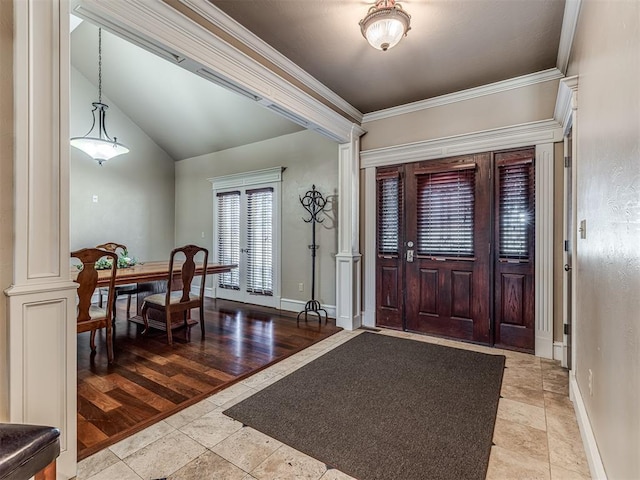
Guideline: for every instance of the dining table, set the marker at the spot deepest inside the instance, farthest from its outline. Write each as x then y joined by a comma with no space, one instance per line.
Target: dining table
151,277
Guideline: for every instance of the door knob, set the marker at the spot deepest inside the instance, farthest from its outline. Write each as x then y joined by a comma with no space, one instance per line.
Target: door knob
567,267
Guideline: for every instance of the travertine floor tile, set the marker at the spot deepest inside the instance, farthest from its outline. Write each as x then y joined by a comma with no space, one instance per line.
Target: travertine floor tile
522,439
96,463
190,414
209,466
212,428
227,394
287,463
141,439
247,448
334,474
519,376
568,454
522,413
559,473
532,396
558,403
164,456
118,471
563,425
508,465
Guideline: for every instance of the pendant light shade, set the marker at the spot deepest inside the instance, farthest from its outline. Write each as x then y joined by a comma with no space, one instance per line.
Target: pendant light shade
385,24
96,142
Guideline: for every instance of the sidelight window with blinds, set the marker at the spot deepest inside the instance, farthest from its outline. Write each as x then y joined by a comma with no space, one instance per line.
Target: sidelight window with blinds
389,215
516,209
445,213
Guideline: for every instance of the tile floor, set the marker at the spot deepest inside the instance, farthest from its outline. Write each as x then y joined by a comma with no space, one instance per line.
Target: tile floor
536,434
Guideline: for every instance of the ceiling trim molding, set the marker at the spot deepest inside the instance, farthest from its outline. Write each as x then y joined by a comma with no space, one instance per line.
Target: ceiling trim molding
463,95
159,27
534,133
568,32
566,101
233,28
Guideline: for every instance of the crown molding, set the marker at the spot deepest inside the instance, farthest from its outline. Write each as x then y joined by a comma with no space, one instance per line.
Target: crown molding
534,133
164,30
568,32
566,101
489,89
223,21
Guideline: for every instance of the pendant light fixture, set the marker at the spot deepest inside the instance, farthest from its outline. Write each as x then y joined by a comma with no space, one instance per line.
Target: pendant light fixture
385,24
99,145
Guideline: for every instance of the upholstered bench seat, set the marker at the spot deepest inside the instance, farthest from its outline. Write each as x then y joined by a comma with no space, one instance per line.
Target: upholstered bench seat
161,298
25,450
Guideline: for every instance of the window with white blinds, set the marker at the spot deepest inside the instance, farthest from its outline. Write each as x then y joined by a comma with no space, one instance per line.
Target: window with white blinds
445,213
229,237
260,241
516,204
389,214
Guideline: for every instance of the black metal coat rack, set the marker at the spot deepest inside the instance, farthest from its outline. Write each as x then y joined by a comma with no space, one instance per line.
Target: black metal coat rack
314,203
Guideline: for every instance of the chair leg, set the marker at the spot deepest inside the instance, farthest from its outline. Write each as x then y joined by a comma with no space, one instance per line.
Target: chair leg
47,473
109,339
145,307
202,320
168,319
113,306
129,306
92,340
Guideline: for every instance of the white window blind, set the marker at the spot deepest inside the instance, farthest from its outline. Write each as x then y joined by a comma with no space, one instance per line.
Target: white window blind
445,213
389,214
229,237
260,241
516,209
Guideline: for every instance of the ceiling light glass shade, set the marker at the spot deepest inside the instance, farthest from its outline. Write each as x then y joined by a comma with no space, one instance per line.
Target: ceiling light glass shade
385,24
100,147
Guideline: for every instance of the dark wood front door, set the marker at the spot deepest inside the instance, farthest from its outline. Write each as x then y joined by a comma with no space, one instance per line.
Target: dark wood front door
438,268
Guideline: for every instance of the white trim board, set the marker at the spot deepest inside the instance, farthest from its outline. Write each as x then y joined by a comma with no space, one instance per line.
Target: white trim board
462,95
568,32
596,466
533,133
233,28
291,305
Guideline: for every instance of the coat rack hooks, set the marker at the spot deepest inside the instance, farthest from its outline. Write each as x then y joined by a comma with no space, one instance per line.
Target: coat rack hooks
314,203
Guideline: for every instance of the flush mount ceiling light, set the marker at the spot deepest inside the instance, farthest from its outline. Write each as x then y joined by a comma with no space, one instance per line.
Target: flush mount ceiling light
385,24
99,145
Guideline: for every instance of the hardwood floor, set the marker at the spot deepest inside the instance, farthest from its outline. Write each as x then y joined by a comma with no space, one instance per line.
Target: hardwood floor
150,380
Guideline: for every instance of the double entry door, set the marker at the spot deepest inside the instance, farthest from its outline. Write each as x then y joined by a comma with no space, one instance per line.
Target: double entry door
455,248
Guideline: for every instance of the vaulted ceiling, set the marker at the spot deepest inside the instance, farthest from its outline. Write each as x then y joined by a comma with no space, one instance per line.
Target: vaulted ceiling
453,45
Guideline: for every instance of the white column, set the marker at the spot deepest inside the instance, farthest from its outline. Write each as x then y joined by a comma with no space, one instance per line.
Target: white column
544,251
40,346
348,274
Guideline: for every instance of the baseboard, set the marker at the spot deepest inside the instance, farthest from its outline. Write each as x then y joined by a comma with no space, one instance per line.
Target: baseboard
588,438
558,352
298,305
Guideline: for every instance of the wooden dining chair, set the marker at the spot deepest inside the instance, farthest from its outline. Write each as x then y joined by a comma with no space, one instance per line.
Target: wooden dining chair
91,317
181,300
128,290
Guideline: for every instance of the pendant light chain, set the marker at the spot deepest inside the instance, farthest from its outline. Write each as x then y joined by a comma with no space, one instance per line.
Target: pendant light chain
100,65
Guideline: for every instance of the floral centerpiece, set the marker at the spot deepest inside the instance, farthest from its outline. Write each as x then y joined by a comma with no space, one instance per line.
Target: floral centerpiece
124,261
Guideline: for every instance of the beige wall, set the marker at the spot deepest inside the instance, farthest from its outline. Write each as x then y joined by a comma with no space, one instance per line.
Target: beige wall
606,56
6,186
309,159
513,107
135,191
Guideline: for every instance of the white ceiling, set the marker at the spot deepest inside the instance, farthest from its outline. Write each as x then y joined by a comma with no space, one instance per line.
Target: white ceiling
453,45
183,113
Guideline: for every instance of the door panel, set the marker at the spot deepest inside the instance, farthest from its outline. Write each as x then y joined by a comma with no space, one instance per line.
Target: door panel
450,247
514,265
